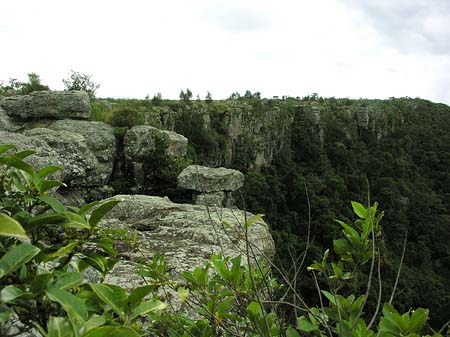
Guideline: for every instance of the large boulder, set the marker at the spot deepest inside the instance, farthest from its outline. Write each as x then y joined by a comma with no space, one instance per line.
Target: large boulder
185,234
77,159
206,179
48,104
141,140
140,143
99,139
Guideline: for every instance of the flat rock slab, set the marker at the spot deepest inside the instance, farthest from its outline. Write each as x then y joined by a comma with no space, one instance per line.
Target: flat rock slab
185,234
207,179
48,104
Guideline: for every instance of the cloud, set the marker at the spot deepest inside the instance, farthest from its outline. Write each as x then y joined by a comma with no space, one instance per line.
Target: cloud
408,25
237,19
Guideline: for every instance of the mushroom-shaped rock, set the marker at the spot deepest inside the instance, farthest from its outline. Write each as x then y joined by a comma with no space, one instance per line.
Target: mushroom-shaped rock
206,179
48,104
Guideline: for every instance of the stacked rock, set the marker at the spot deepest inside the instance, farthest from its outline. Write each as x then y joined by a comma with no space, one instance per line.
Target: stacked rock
211,186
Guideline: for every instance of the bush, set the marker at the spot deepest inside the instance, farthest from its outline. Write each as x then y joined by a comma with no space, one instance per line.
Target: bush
79,81
127,117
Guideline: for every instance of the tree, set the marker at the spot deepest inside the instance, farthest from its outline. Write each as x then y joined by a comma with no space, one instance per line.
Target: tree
34,84
157,99
186,96
208,97
83,82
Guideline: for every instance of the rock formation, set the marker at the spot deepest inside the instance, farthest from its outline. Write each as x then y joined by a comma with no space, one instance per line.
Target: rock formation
142,140
185,234
48,104
212,186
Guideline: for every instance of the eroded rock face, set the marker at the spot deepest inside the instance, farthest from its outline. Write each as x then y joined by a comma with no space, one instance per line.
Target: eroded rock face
185,234
99,138
207,179
48,104
141,141
6,123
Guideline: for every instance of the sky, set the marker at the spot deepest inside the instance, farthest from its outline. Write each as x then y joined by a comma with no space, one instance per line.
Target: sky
134,48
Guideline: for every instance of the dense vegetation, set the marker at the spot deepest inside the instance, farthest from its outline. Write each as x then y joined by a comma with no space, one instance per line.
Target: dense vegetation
327,158
45,247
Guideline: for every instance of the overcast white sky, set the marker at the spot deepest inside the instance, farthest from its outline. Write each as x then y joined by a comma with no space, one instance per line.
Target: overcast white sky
341,48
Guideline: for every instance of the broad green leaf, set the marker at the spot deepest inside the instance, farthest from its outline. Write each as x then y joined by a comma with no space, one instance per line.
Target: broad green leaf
330,296
74,306
253,220
69,280
138,294
54,203
418,320
6,147
5,313
75,220
291,332
112,331
49,184
148,306
23,154
349,232
59,327
254,308
17,163
45,171
62,251
114,296
10,227
304,324
94,322
359,210
87,207
47,219
101,211
183,293
10,293
108,245
16,257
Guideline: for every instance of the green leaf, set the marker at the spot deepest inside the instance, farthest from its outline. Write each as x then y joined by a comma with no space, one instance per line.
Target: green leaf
112,331
69,280
6,147
10,227
101,211
138,294
329,295
16,257
87,207
114,296
45,171
49,184
359,210
17,163
10,293
23,154
54,203
183,293
59,327
304,324
47,219
74,306
62,251
108,246
75,220
148,306
291,332
417,320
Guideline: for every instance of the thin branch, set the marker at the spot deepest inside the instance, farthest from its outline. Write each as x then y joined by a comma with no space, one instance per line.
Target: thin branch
399,268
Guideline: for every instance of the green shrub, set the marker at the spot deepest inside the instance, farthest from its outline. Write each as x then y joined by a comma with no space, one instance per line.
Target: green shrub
127,117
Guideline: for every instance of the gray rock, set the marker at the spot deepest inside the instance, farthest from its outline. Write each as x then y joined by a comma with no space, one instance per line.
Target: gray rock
6,123
207,179
185,234
77,159
99,138
44,156
141,140
48,104
210,199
